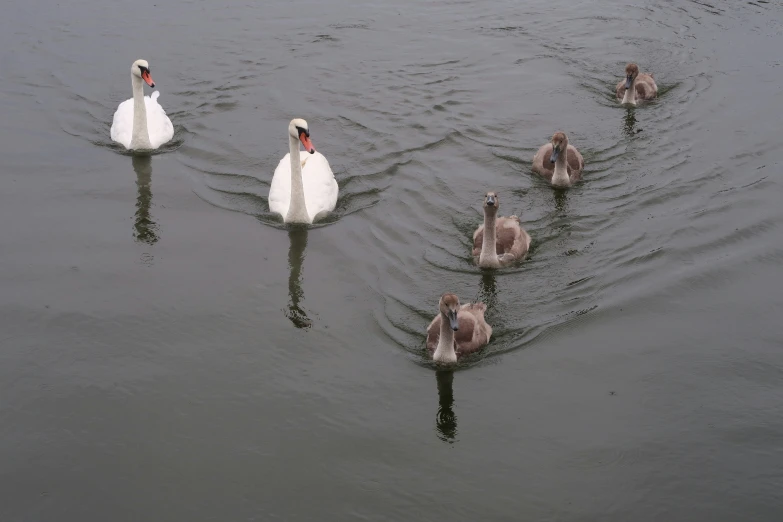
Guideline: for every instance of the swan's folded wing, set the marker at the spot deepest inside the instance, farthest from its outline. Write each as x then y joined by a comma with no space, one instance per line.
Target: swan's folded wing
575,162
483,331
280,189
159,125
475,308
467,325
506,233
620,90
478,239
122,124
541,160
320,187
473,331
433,333
645,87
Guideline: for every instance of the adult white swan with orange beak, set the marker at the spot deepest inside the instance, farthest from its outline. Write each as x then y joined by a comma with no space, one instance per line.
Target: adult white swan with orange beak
303,188
140,123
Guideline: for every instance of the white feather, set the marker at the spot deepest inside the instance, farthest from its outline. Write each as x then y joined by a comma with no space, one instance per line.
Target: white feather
320,187
159,125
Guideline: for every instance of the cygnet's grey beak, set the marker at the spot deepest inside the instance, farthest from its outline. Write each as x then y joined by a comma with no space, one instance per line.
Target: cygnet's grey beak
555,154
490,201
628,81
453,320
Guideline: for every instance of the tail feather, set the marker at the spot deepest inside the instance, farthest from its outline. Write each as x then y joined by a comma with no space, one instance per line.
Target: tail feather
477,306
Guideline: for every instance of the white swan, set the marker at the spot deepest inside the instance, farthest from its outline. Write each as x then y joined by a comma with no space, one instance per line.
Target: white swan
302,189
140,123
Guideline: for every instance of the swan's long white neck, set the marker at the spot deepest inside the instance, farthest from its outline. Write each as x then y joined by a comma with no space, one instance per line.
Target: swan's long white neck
630,93
297,209
489,257
445,349
560,176
140,138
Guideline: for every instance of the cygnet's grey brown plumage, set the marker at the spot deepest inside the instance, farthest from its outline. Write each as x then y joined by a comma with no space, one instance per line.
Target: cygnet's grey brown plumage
511,242
457,330
558,155
639,86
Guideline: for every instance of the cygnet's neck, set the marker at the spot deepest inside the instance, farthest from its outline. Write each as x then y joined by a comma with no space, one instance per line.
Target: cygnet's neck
297,209
445,350
489,257
560,176
140,136
630,93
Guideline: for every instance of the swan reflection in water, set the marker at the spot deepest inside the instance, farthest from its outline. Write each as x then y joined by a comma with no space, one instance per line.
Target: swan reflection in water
561,200
629,122
445,420
488,291
145,230
296,253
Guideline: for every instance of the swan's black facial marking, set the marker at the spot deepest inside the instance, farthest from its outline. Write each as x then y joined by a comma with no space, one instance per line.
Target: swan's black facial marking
145,75
304,137
491,199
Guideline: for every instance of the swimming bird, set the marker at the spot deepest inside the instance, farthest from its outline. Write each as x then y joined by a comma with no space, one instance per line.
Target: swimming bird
559,162
140,123
302,190
636,86
500,241
457,330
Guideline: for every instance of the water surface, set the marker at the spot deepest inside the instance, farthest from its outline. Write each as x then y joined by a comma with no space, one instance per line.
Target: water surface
170,351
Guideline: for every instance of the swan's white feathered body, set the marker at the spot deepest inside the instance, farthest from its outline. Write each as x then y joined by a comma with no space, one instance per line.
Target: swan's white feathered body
303,187
159,126
140,123
320,187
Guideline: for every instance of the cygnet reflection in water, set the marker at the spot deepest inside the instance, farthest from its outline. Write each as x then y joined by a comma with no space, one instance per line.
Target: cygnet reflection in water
445,419
488,291
629,122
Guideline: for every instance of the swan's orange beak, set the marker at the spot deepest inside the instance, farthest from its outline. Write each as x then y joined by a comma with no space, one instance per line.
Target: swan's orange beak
308,145
145,75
